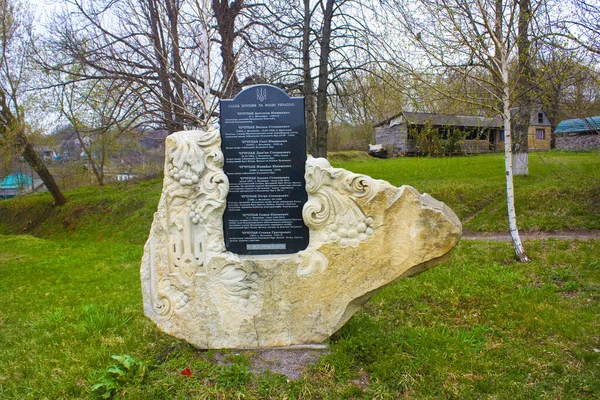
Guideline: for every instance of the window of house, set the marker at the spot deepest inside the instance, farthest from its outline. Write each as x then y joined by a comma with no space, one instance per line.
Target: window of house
540,118
502,136
540,134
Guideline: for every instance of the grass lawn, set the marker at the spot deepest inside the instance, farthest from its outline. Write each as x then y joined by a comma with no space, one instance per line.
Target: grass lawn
478,326
561,192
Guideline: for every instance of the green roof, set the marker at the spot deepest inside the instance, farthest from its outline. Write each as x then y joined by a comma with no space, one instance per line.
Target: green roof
579,125
15,181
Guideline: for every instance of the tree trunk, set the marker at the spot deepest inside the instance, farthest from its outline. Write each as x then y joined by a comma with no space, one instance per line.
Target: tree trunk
22,143
508,164
178,105
167,99
521,160
309,94
98,170
521,139
32,158
322,124
226,13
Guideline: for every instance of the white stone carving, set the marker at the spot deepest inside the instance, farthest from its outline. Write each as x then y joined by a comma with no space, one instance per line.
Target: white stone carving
310,261
335,197
364,234
195,189
237,282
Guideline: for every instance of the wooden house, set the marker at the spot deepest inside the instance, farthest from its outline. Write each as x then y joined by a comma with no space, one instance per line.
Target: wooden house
477,134
537,124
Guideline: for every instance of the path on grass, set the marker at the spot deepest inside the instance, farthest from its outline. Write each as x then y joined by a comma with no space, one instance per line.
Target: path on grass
505,237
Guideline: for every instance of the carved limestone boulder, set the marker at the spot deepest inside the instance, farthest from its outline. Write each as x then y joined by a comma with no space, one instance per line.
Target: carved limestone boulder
364,234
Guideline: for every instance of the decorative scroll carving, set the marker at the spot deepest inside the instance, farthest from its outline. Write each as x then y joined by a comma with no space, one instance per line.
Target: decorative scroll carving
169,298
195,189
335,197
162,294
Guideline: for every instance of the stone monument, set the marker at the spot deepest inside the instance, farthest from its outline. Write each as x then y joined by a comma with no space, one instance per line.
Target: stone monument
228,263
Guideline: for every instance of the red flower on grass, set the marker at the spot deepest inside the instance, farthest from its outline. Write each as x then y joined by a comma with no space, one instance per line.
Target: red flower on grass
186,372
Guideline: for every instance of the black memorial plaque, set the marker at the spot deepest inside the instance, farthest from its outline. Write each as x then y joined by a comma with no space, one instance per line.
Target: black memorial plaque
263,136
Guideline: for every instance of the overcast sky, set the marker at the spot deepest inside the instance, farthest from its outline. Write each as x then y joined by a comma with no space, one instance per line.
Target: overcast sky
42,7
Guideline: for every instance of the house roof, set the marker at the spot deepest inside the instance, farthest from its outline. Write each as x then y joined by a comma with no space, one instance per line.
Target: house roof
15,181
579,125
444,120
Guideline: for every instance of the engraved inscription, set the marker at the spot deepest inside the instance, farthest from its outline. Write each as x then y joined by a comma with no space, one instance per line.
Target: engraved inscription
264,144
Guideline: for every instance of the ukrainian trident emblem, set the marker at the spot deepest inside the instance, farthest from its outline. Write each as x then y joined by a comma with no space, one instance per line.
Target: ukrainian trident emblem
261,94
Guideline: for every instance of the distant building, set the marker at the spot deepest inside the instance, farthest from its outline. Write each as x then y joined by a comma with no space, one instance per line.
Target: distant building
537,123
400,131
478,134
68,146
125,176
578,134
578,127
47,153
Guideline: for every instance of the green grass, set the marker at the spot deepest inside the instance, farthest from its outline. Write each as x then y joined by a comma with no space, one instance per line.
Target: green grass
561,192
478,326
348,155
118,213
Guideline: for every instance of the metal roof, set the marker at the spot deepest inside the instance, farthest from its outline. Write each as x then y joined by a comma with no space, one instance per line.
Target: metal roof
453,120
15,181
579,125
418,118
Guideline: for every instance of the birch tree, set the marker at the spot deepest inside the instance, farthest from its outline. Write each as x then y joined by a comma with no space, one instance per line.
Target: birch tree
475,41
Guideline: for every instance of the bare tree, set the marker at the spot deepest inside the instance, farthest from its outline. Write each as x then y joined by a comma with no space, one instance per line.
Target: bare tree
366,98
15,45
159,50
578,26
165,51
307,79
103,115
568,84
155,47
226,13
325,48
478,41
335,43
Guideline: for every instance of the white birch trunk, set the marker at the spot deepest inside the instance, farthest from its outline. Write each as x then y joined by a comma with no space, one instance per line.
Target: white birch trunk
508,163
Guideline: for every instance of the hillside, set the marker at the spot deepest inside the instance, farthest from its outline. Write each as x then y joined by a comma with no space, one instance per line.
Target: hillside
561,193
114,213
